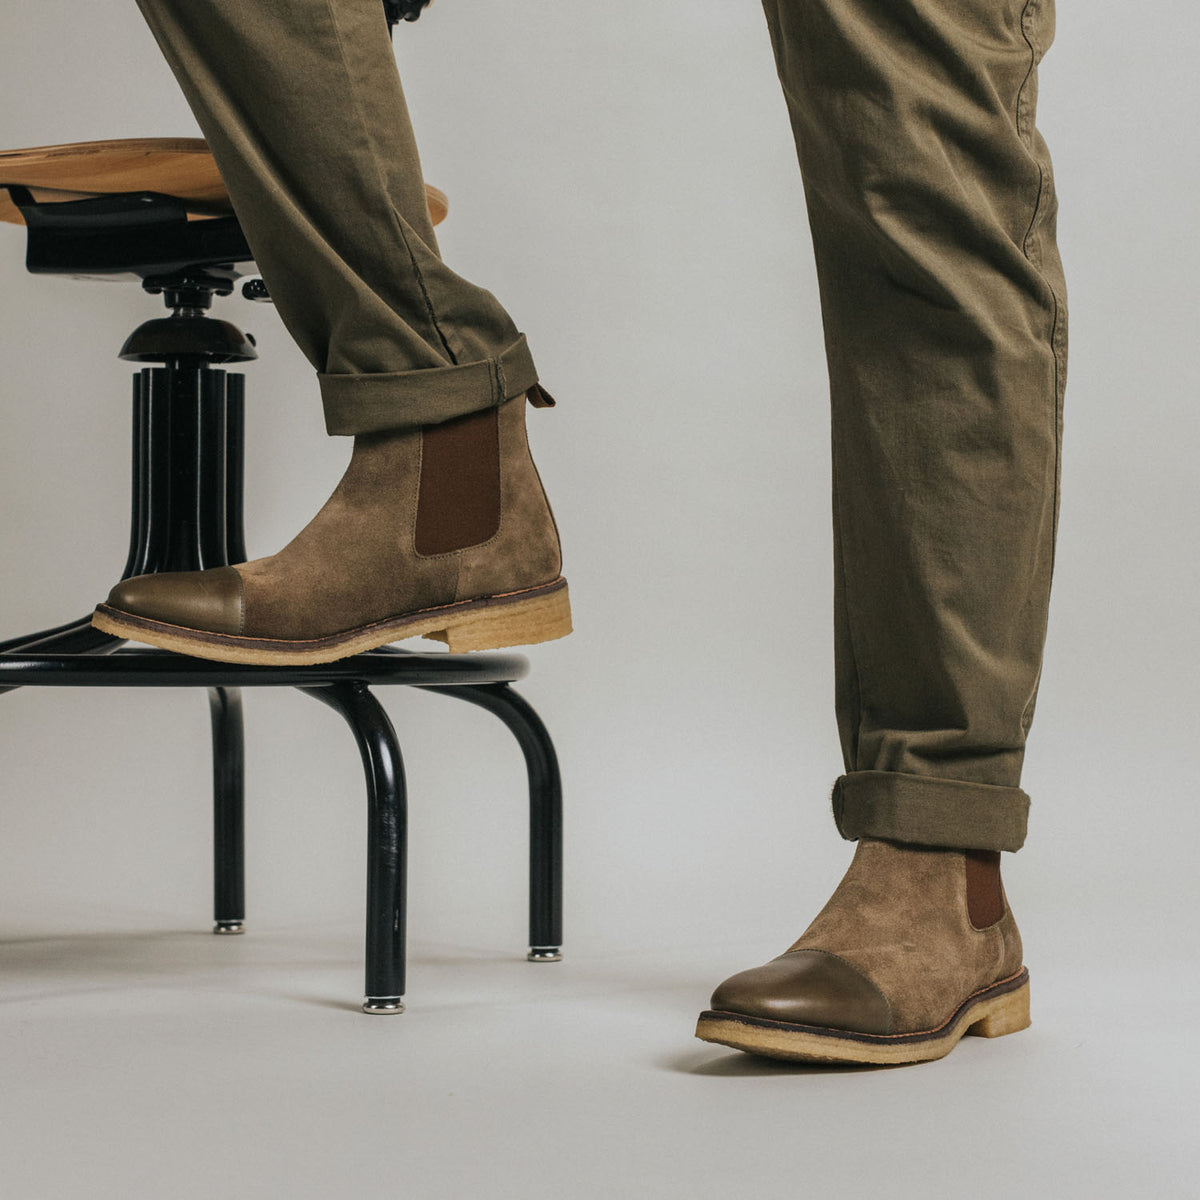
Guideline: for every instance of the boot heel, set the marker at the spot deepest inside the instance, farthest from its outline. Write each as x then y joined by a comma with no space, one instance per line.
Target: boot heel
522,623
1005,1014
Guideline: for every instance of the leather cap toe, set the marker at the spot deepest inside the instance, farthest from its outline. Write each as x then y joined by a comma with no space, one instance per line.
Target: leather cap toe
807,987
207,600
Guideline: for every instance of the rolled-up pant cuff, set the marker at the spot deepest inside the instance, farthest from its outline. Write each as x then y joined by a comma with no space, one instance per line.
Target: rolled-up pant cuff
930,811
402,400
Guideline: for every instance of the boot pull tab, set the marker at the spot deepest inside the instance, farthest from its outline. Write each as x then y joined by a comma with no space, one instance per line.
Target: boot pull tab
539,397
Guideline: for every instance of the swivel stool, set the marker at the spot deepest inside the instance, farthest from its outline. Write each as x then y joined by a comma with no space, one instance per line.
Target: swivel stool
156,212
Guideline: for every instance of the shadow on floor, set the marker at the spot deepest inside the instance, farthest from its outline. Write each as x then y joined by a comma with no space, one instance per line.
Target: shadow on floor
736,1064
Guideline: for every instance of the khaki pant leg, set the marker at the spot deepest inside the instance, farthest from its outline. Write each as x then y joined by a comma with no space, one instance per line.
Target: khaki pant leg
301,103
932,211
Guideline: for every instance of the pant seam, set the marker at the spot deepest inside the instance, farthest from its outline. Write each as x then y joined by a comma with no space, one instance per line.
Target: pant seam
501,386
851,640
420,278
1030,247
1023,131
397,221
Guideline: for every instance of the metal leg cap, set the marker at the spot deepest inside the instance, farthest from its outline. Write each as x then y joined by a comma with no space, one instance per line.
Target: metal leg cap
229,927
544,954
383,1005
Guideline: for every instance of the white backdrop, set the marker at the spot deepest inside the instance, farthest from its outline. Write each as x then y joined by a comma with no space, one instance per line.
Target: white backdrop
622,176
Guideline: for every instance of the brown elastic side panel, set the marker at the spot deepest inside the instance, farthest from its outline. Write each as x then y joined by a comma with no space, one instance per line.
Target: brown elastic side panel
458,502
985,900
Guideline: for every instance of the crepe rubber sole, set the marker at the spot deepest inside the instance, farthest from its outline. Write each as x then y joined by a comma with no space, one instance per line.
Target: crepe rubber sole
992,1012
522,618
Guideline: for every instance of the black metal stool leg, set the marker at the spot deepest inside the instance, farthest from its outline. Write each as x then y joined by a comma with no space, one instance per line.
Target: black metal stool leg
387,835
545,811
77,637
57,640
229,842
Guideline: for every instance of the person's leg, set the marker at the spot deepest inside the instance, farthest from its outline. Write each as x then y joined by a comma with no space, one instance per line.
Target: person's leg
932,212
440,526
301,104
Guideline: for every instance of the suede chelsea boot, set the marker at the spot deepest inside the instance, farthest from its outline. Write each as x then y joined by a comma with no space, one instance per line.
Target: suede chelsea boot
915,948
443,532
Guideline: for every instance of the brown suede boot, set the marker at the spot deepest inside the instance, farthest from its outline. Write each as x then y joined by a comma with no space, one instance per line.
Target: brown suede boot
915,948
443,532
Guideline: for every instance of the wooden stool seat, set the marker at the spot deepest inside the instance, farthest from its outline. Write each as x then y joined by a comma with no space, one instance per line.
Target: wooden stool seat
179,167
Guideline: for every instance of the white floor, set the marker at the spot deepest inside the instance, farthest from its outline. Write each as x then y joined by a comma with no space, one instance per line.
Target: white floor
175,1064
